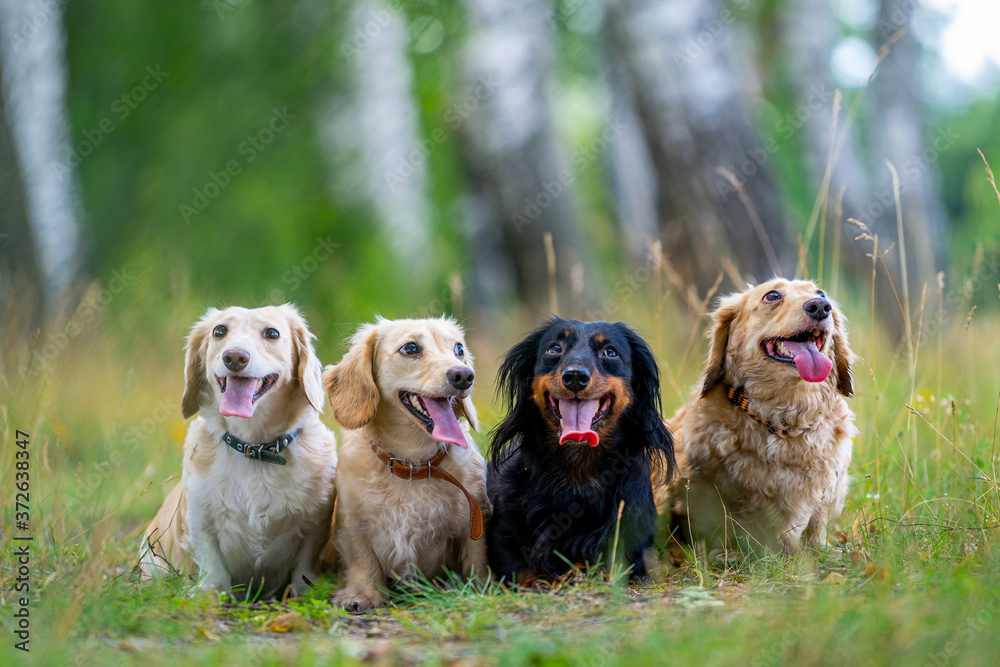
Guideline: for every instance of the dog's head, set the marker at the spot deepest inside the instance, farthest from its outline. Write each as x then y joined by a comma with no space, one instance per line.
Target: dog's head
779,331
419,368
586,380
239,360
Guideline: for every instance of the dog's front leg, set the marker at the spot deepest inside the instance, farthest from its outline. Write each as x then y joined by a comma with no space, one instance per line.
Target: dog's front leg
212,573
473,559
306,571
364,575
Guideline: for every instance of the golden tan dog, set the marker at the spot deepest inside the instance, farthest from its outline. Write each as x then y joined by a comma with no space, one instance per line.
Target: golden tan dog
253,507
400,390
764,443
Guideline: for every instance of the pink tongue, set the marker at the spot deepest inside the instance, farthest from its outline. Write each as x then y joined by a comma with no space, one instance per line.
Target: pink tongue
237,400
446,427
577,418
812,365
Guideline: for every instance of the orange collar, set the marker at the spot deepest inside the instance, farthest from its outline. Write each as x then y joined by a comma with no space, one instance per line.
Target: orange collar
407,470
738,397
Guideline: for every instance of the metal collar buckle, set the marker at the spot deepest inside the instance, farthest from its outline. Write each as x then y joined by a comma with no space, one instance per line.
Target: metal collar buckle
409,464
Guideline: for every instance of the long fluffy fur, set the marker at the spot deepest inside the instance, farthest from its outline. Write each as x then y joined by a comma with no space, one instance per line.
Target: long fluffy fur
550,499
740,487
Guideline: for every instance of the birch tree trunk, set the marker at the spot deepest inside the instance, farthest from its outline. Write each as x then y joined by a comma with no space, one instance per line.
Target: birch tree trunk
512,150
898,132
40,204
679,65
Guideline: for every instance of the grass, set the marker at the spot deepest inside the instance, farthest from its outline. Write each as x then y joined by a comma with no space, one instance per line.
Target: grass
917,580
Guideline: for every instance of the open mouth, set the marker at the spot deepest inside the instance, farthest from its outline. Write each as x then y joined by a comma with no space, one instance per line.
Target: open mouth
804,351
436,415
579,419
240,393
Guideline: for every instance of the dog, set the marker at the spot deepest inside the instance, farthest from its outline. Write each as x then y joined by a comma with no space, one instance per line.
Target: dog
411,483
255,501
582,432
764,443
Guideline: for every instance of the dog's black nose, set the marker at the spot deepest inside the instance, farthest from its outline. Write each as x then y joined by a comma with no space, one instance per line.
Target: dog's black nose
461,377
818,309
236,360
576,378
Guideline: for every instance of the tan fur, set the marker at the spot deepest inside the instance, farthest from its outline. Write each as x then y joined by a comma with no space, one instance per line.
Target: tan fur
388,528
738,484
231,519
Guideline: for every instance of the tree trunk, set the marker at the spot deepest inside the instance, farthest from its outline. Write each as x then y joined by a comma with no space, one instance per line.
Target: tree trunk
40,203
633,177
810,33
511,144
898,136
389,130
678,63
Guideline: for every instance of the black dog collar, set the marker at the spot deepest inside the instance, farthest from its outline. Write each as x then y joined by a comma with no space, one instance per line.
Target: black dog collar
265,451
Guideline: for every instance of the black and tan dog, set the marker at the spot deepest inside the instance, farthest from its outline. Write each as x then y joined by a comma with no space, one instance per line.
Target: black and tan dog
582,432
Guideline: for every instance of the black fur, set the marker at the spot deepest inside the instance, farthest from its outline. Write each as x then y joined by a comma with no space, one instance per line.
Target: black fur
551,499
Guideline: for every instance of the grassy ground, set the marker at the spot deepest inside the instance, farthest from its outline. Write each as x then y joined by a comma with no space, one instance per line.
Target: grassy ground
916,582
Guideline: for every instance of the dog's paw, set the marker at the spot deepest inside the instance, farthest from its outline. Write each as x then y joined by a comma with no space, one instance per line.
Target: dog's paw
356,601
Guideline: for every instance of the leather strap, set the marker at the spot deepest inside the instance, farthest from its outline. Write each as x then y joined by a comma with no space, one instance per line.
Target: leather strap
265,451
738,397
407,470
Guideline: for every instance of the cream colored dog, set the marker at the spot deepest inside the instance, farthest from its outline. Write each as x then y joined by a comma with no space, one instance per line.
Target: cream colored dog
254,504
399,391
764,443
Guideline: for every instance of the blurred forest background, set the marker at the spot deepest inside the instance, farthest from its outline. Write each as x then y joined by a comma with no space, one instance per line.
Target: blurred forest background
409,158
497,160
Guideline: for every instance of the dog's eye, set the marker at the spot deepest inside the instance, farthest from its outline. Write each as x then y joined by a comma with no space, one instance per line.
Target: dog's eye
772,296
555,348
821,293
271,334
609,352
459,351
220,331
410,349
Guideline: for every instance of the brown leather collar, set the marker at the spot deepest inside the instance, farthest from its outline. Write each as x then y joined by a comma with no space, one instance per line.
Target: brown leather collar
407,470
738,397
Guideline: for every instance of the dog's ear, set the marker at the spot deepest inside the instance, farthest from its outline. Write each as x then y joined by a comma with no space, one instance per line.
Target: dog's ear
308,369
466,408
843,357
350,385
514,386
194,364
727,311
646,404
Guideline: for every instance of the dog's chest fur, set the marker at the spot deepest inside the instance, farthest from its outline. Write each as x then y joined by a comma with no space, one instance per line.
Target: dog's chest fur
766,474
257,512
